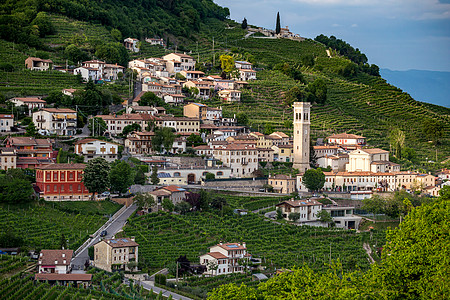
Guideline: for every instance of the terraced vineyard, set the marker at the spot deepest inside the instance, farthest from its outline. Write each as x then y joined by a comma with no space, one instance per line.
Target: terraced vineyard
12,264
164,237
41,227
105,286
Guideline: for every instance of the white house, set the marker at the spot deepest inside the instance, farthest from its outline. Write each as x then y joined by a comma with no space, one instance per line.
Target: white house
55,261
241,158
177,62
60,121
31,103
92,148
225,258
307,209
131,44
88,73
230,95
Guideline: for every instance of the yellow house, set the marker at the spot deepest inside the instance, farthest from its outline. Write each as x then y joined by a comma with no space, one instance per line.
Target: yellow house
283,153
262,141
283,184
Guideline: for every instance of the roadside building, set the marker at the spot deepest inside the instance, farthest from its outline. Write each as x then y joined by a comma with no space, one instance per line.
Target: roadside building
62,182
116,254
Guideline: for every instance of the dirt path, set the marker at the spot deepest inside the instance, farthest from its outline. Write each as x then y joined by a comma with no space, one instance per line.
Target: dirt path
368,250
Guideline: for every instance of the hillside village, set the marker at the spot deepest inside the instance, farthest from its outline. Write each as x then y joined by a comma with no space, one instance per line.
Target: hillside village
164,168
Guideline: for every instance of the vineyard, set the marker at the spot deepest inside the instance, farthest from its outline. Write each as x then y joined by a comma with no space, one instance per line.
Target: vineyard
12,264
41,227
104,286
164,237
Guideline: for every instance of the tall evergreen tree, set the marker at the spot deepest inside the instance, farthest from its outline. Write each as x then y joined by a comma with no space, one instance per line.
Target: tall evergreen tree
278,26
244,24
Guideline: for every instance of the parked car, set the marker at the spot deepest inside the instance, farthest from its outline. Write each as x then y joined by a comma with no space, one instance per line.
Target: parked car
103,233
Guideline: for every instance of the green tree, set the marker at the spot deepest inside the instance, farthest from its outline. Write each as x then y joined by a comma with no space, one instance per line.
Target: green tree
116,35
113,53
144,201
194,140
397,141
74,54
163,139
318,89
244,24
63,242
279,214
210,176
154,176
227,64
14,190
374,204
294,217
150,99
313,179
182,207
278,24
268,128
288,124
121,177
31,130
168,205
139,177
307,60
324,216
433,130
95,176
43,23
130,128
242,118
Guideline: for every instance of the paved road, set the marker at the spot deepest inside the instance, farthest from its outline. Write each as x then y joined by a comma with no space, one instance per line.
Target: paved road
81,258
164,292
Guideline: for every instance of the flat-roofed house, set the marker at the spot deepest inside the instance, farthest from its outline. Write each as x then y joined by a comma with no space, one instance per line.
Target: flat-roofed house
93,148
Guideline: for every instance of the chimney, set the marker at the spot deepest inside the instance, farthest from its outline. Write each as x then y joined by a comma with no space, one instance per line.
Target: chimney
243,244
133,238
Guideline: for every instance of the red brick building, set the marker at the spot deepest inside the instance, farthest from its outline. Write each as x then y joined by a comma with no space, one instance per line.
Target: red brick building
58,182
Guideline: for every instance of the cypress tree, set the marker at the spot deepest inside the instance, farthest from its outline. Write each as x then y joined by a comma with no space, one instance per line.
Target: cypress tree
244,24
278,26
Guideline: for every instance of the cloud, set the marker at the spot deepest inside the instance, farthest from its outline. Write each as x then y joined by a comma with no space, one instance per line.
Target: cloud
354,25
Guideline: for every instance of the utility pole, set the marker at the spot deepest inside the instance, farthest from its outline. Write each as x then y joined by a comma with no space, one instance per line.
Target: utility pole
214,57
198,54
177,272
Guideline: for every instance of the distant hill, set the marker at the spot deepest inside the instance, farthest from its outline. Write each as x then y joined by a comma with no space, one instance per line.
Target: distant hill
427,86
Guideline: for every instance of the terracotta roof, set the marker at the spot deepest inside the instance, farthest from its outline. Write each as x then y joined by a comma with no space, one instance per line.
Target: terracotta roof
122,242
63,167
3,116
31,100
217,255
202,147
173,188
182,55
70,90
325,147
120,117
345,136
26,141
93,62
40,59
280,134
374,151
55,257
63,277
59,110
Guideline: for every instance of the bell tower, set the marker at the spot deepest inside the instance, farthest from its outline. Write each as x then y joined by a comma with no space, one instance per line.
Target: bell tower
302,126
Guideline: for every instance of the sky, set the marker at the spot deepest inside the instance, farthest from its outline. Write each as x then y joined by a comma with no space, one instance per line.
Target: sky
394,34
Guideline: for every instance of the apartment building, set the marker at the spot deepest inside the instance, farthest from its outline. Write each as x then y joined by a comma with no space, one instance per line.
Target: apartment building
60,121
